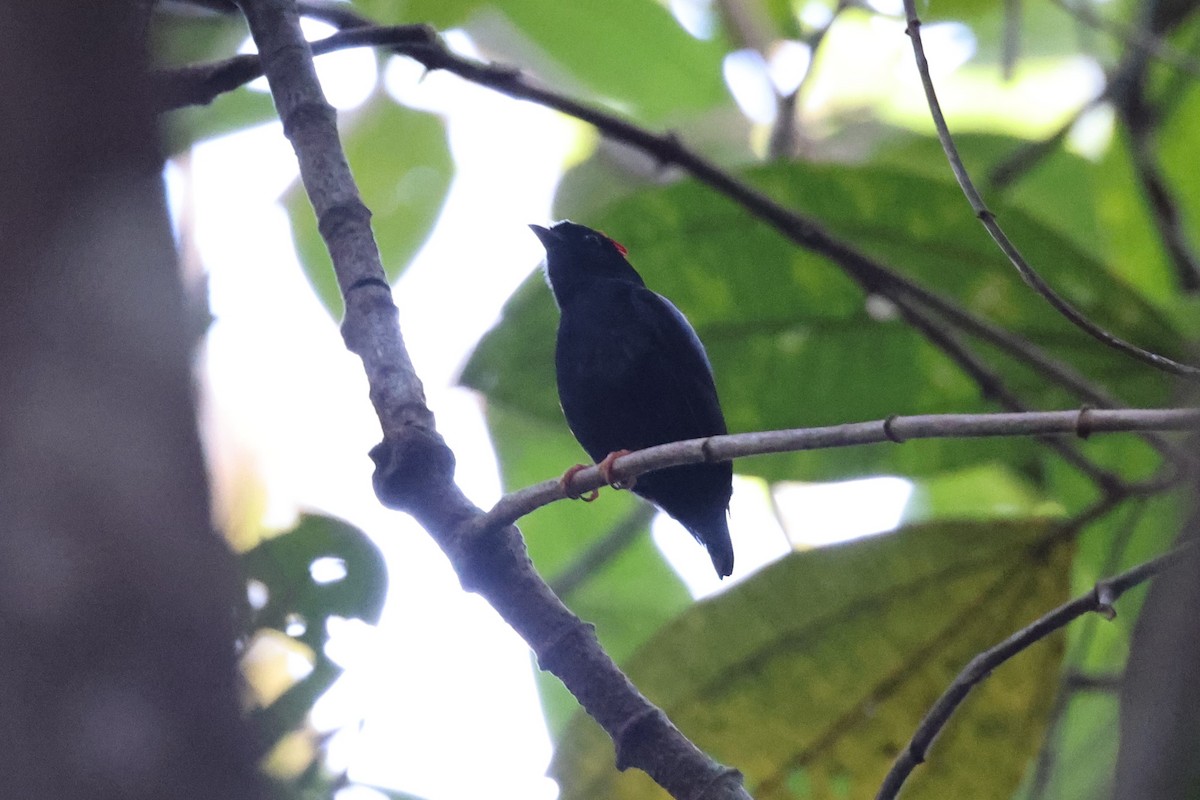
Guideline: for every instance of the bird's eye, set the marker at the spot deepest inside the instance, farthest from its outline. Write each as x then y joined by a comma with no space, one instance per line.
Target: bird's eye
592,239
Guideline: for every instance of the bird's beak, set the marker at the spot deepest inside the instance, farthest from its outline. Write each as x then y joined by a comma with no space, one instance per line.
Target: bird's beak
545,235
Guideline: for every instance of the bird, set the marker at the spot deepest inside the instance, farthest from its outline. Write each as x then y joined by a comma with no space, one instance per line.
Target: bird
631,374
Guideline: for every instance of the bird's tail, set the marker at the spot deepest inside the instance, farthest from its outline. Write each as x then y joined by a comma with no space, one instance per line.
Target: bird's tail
713,533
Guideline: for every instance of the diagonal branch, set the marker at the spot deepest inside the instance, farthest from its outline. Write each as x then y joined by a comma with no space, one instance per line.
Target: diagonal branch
422,44
990,223
993,388
415,468
1082,423
202,83
1100,599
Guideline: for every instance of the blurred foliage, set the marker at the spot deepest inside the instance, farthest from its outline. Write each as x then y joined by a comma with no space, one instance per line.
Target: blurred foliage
405,196
297,582
794,342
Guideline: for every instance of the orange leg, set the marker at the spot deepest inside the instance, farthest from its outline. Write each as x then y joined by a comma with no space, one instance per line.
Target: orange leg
606,468
565,483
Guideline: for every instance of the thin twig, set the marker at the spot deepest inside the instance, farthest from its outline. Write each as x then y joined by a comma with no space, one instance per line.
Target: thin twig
1132,37
1083,423
1048,754
990,223
1010,48
1028,155
1165,209
1099,599
785,134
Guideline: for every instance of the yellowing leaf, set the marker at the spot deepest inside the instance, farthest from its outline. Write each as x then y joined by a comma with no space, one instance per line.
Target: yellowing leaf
810,677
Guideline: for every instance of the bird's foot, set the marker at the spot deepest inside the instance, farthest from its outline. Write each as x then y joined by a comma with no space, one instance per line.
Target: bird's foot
606,468
565,483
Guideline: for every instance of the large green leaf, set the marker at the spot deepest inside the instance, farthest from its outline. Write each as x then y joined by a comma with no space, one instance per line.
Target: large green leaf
283,564
980,492
401,161
630,54
811,678
792,341
301,601
1178,142
1049,192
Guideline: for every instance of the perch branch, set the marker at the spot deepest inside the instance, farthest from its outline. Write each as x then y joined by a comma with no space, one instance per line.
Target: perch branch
1082,423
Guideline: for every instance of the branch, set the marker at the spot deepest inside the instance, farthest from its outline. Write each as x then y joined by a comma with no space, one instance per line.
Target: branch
990,223
1082,423
1028,155
992,387
1141,121
1133,38
415,468
200,84
1099,599
1044,766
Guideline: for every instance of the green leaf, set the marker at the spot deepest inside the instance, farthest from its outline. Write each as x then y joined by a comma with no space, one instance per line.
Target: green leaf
1176,152
812,676
401,161
181,39
791,340
189,38
979,492
1049,192
632,55
441,14
1127,228
230,112
283,566
783,14
1046,30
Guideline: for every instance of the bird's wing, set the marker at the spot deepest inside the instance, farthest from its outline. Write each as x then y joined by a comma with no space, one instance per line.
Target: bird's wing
684,398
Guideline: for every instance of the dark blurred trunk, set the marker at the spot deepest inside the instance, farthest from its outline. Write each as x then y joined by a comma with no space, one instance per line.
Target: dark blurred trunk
117,672
1160,695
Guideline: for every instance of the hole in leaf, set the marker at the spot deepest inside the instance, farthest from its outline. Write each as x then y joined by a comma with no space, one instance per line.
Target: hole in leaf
327,569
257,594
295,625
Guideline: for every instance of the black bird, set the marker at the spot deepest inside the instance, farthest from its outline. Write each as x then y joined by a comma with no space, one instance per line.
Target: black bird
632,374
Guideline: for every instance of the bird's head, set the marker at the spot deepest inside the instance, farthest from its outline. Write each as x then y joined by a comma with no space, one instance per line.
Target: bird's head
577,255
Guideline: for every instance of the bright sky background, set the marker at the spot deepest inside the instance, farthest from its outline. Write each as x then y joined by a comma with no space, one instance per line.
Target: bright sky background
442,687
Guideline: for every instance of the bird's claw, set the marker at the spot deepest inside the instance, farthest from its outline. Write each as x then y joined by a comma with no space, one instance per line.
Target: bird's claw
565,483
606,468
